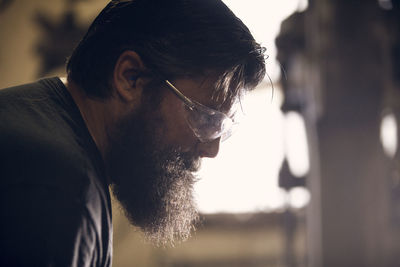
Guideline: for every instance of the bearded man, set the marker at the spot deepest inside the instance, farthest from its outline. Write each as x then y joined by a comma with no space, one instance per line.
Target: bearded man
150,90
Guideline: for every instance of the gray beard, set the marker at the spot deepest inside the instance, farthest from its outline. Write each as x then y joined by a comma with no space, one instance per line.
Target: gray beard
152,182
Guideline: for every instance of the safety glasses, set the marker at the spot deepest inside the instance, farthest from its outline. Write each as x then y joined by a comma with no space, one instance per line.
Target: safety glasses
206,123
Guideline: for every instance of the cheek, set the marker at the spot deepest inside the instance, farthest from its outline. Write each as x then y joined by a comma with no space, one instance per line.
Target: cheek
177,132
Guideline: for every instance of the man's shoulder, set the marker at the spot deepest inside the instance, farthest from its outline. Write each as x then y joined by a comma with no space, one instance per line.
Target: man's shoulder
12,90
52,172
51,200
45,144
31,105
32,158
37,142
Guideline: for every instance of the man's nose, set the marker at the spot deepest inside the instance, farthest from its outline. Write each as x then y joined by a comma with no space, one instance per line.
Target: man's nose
209,149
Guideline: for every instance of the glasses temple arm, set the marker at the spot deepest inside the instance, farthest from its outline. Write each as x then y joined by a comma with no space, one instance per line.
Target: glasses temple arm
186,100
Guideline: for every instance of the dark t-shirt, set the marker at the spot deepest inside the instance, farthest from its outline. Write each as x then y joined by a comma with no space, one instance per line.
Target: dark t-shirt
54,199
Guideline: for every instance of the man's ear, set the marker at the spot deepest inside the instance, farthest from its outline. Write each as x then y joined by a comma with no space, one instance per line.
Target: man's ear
126,80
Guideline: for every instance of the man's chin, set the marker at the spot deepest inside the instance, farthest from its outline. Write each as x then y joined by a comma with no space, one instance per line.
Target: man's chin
161,202
167,220
195,167
191,163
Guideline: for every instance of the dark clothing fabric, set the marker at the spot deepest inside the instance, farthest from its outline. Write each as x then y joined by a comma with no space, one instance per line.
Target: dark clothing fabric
55,205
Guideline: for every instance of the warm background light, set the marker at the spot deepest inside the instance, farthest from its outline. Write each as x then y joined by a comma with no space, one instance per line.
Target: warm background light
244,176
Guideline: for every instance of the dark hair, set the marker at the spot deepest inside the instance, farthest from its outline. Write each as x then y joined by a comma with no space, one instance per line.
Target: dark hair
174,38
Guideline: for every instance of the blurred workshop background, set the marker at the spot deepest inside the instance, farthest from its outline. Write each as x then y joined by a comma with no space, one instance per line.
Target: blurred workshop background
311,177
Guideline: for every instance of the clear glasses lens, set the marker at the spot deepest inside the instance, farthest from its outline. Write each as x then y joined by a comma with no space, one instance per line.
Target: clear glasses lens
208,124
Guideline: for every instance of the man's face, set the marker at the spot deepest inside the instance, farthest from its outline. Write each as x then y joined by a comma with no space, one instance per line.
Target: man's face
150,160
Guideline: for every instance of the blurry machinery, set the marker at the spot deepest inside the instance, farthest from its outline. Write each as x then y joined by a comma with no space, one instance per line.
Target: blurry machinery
342,65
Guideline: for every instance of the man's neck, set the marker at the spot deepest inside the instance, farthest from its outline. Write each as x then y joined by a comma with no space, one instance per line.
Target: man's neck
93,112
